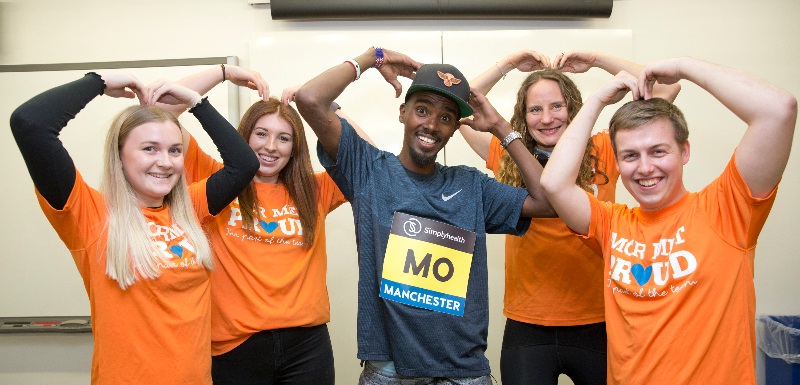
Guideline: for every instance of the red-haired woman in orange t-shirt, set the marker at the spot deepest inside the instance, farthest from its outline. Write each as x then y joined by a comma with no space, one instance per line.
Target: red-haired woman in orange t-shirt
270,302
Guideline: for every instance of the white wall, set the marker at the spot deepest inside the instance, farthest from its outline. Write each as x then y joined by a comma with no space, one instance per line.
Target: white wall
755,36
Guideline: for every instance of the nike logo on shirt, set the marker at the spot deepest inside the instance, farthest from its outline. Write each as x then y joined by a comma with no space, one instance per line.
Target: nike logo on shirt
448,197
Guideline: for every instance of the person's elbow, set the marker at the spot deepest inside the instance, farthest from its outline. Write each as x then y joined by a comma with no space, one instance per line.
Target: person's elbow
537,208
252,165
552,185
21,122
788,104
309,103
549,183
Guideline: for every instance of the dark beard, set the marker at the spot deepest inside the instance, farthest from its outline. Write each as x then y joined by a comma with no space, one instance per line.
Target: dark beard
420,159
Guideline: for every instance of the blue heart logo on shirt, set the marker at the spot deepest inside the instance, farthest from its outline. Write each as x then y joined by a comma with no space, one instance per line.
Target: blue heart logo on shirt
641,274
177,250
268,226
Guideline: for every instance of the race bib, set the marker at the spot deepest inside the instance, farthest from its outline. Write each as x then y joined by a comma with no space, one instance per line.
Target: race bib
427,264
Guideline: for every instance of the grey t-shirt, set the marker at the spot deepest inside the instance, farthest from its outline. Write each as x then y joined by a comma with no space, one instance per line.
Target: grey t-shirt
421,342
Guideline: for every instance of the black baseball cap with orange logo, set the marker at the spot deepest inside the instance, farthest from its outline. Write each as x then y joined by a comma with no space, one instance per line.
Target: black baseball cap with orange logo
444,79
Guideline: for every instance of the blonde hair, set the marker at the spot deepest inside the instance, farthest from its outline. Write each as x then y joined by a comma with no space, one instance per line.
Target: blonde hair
297,175
131,253
508,172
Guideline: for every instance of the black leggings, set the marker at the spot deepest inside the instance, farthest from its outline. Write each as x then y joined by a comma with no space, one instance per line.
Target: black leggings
537,355
297,355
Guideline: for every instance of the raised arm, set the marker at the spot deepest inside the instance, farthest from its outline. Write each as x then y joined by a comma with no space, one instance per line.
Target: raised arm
582,61
524,61
288,96
240,162
203,82
201,164
486,119
315,97
769,112
37,123
558,179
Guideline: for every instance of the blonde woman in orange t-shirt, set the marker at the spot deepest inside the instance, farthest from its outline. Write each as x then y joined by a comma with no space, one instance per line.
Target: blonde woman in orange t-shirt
137,243
270,301
553,288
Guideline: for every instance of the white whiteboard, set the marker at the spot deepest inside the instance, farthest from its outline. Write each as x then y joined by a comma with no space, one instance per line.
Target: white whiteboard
370,101
37,274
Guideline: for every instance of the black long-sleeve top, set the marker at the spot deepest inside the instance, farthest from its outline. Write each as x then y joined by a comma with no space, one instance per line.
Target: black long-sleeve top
37,123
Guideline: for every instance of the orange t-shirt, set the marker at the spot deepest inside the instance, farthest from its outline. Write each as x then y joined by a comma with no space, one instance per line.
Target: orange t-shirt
266,279
157,331
552,278
679,293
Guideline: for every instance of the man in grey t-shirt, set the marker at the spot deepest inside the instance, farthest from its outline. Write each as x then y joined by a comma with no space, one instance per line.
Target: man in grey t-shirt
421,226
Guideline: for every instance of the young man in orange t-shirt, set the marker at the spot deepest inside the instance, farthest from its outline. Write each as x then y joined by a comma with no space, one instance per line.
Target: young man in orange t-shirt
553,294
679,293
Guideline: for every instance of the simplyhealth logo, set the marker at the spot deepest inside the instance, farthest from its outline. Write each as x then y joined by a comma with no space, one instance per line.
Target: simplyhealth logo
412,227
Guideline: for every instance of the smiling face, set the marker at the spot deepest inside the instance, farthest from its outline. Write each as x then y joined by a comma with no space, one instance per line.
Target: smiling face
650,163
272,139
152,160
430,119
546,114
